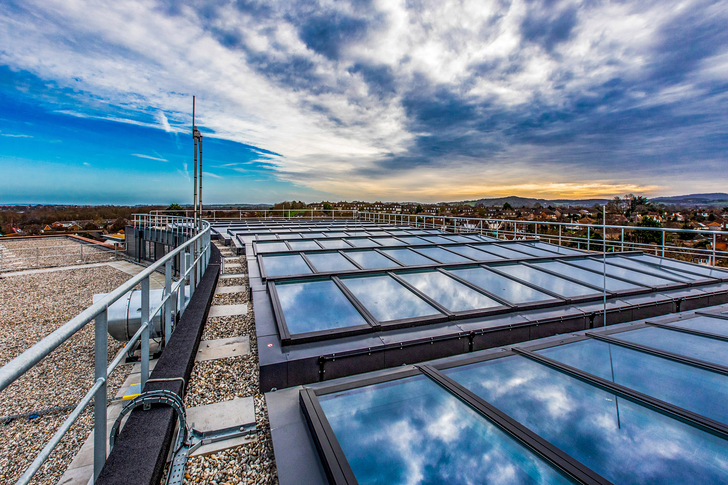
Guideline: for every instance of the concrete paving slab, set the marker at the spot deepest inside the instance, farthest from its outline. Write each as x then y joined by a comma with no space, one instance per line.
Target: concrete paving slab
223,348
228,310
221,415
224,290
228,276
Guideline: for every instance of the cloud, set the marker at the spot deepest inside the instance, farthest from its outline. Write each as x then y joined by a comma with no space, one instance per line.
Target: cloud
213,175
149,157
87,164
13,135
380,99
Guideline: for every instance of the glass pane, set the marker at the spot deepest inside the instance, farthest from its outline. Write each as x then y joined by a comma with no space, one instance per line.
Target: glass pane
698,390
588,277
648,268
475,254
683,266
304,245
532,250
330,262
386,299
266,237
378,233
717,326
362,243
285,265
640,278
555,248
336,234
501,286
289,235
702,348
312,235
559,286
357,233
437,239
389,241
316,305
407,257
371,259
622,441
461,239
414,241
413,431
271,247
443,256
333,243
448,292
503,251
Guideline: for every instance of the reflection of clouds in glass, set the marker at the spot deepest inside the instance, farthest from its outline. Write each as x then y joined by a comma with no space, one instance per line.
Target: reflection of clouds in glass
330,262
501,286
386,299
694,346
636,446
557,285
412,431
316,305
285,265
448,292
689,387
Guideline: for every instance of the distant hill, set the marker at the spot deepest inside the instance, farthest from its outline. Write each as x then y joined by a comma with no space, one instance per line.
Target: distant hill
719,199
529,202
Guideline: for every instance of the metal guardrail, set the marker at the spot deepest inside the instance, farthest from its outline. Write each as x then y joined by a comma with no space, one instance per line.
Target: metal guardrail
54,256
562,233
242,214
194,257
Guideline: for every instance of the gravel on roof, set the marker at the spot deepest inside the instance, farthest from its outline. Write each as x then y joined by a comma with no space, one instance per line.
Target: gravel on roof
33,305
45,252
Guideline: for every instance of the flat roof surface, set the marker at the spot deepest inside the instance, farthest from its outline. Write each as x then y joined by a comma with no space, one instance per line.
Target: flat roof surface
640,402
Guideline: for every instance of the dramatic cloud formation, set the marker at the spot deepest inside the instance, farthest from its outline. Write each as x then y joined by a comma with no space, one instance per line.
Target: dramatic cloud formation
385,99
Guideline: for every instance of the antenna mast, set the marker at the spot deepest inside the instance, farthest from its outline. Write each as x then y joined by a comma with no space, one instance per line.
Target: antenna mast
194,129
198,138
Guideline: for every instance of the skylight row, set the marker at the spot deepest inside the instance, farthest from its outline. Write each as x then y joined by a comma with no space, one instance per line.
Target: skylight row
326,306
582,411
371,258
383,238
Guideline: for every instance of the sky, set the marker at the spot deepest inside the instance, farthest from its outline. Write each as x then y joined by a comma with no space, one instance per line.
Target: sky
361,100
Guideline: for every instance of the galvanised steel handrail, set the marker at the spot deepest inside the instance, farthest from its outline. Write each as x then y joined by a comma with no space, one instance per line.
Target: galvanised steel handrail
311,214
518,228
194,257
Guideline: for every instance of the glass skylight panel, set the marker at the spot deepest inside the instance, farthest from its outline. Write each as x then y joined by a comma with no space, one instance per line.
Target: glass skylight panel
448,292
503,251
289,235
443,256
662,272
336,234
357,233
333,243
475,254
717,326
266,237
588,277
330,262
407,257
612,270
371,260
682,266
389,241
362,243
378,233
399,233
694,346
412,430
316,305
303,245
505,288
386,299
271,247
285,265
313,235
532,250
557,285
692,388
437,239
622,441
414,241
555,248
461,239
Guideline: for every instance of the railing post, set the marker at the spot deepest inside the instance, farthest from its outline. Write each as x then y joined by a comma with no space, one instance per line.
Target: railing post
183,279
168,303
588,238
100,399
621,236
713,249
663,243
81,248
190,261
560,234
145,332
